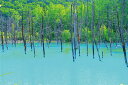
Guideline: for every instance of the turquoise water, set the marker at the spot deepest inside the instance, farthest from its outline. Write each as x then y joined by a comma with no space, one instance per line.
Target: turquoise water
58,68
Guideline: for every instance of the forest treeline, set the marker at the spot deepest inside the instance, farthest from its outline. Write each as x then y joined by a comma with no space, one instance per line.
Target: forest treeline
57,13
75,21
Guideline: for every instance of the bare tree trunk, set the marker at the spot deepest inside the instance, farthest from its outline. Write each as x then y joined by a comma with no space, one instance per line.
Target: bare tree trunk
14,33
29,25
92,27
60,34
72,33
2,41
2,35
75,29
24,41
61,42
42,35
6,33
97,50
121,27
33,43
87,24
121,32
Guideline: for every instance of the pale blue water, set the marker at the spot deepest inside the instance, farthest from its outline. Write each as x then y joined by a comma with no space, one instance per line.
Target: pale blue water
59,69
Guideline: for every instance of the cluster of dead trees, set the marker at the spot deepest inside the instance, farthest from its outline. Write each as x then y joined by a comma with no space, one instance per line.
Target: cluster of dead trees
9,28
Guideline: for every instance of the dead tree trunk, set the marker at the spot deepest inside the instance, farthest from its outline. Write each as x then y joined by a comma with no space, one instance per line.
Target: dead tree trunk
87,25
75,29
23,38
33,43
2,35
120,26
72,32
121,31
92,27
42,35
29,25
6,33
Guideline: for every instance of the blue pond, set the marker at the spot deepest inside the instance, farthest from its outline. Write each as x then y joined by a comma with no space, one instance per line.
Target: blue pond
58,68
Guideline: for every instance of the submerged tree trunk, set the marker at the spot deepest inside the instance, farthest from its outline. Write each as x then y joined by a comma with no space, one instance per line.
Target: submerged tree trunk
60,34
14,32
87,25
2,35
92,27
72,33
75,29
6,33
23,38
29,26
121,31
33,43
120,26
2,41
42,35
97,51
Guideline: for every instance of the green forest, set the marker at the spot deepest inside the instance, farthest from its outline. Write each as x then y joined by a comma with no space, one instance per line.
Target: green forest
57,20
75,21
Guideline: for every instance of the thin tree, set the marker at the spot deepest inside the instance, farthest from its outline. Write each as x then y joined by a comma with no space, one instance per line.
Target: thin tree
42,34
23,38
92,27
121,30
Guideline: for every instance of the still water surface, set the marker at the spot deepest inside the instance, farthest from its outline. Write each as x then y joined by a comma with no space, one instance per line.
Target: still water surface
57,68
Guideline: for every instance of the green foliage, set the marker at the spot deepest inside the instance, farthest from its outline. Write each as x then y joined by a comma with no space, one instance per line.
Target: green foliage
86,34
66,35
54,11
104,32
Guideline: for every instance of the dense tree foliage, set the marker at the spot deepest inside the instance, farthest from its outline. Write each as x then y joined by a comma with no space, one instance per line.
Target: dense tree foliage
54,11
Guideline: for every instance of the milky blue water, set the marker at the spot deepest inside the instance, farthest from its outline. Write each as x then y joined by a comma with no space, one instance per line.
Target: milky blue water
58,68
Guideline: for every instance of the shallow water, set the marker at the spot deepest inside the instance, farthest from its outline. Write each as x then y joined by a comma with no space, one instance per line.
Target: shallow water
58,68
